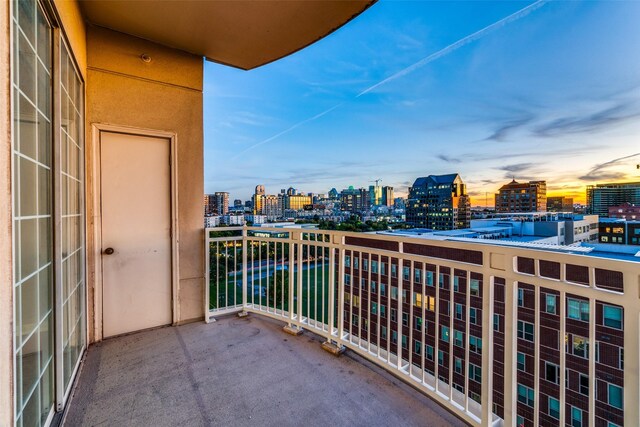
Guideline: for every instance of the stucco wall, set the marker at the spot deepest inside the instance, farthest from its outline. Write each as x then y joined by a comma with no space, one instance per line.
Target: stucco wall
6,282
164,94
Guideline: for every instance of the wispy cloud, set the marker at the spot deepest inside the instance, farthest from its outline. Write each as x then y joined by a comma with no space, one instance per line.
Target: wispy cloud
604,118
415,66
517,168
458,44
448,159
502,133
602,171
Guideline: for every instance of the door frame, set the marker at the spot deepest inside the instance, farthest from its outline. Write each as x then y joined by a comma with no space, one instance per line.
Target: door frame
95,230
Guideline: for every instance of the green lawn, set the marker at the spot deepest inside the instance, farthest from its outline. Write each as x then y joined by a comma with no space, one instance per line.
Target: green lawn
312,287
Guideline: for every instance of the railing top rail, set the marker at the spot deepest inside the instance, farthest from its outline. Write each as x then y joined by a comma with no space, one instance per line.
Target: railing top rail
542,252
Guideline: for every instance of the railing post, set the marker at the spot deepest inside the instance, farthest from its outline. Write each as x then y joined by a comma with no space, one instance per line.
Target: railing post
207,276
332,298
291,283
244,271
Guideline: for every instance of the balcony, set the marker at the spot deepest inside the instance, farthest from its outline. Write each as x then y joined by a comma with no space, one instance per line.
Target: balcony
403,308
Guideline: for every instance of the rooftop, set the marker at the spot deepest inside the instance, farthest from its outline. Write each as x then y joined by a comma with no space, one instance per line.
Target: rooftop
239,371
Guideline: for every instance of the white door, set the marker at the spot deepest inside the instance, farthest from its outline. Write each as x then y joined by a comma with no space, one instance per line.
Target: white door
136,232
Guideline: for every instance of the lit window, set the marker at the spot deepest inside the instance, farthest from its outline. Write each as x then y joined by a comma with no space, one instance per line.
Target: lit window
444,333
580,346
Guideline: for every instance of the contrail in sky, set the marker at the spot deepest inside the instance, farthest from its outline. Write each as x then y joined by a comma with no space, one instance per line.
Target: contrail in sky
411,68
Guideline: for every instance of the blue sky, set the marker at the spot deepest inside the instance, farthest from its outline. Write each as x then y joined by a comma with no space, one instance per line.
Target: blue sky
553,93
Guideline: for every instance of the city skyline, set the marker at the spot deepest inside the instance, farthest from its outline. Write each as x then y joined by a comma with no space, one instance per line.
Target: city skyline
367,102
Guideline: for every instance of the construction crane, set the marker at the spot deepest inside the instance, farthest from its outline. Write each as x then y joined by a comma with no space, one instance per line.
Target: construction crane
376,181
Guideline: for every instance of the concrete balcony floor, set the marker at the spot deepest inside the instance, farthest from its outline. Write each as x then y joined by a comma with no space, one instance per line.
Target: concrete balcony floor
238,372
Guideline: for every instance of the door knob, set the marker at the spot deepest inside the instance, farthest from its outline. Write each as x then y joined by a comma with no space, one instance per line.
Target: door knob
109,251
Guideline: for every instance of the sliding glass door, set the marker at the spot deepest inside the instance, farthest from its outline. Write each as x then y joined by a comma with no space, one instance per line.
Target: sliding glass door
48,214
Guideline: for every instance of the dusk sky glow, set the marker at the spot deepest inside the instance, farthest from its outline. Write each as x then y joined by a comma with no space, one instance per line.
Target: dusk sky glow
490,90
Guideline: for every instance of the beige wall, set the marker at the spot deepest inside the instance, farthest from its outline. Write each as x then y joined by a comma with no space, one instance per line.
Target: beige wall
6,282
164,94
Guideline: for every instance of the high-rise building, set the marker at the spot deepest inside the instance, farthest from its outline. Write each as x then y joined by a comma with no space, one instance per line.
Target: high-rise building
271,207
220,203
354,200
375,195
208,204
237,203
333,194
297,201
522,197
387,196
257,199
439,202
216,204
601,197
560,204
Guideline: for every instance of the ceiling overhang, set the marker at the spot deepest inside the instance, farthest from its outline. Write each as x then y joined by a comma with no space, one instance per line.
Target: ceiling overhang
242,33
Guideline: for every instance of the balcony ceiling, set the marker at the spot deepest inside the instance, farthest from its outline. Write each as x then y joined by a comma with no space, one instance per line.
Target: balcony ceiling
244,34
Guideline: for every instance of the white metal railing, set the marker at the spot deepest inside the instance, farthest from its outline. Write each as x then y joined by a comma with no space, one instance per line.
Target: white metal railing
308,279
